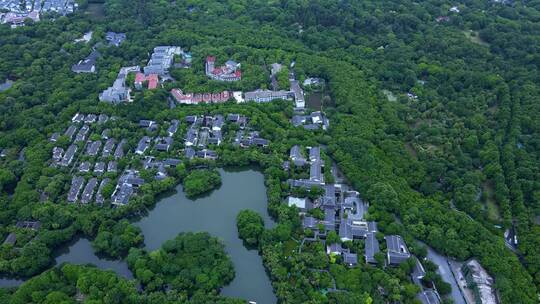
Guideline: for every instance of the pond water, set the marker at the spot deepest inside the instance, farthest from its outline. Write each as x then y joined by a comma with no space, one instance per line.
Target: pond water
80,251
8,282
216,214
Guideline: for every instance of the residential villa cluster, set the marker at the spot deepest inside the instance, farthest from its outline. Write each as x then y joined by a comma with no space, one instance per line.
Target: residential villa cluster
344,213
97,161
18,11
93,157
98,158
204,131
130,180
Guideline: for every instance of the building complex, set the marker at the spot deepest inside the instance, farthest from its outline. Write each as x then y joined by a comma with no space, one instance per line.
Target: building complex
18,11
228,72
119,91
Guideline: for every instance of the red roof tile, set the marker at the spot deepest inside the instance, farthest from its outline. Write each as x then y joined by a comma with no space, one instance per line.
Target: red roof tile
139,78
152,81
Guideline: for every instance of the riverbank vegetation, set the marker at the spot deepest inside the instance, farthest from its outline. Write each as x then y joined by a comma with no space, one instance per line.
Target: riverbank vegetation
69,282
198,182
74,284
469,124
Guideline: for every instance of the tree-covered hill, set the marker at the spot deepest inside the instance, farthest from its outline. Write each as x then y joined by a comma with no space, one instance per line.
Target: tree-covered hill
451,157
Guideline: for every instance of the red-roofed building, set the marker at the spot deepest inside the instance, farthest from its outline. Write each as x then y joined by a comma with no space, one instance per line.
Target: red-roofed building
182,98
229,72
139,79
225,95
190,98
152,79
207,97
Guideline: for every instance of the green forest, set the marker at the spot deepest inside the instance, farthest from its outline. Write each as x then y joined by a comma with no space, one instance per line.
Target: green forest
434,116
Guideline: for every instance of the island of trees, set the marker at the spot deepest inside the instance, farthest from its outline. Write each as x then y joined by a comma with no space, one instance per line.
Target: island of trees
250,227
201,181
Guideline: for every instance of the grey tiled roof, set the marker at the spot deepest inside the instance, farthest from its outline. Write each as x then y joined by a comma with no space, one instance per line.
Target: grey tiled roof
397,251
350,258
88,192
371,248
76,186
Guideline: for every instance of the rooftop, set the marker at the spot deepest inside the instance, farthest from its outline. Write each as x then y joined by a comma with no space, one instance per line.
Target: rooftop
397,251
301,203
34,225
115,38
87,65
350,259
371,248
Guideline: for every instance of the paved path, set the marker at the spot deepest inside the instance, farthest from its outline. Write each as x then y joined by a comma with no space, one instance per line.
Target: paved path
446,273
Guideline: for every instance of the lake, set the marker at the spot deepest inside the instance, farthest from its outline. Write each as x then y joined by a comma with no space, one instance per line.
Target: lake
216,214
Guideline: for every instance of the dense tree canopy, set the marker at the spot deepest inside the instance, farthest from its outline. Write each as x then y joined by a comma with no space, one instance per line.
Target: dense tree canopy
190,263
115,239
